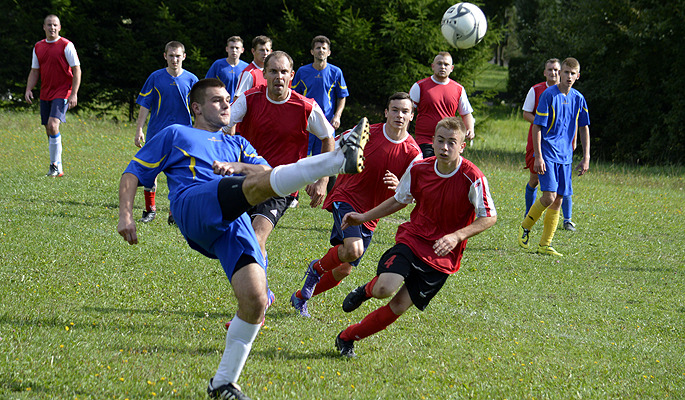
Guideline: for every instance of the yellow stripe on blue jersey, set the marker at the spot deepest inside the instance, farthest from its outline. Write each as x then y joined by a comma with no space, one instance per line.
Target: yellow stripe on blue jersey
191,166
147,164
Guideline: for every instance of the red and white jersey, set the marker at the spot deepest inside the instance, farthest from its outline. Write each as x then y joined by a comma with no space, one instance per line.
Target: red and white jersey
252,76
366,190
279,131
530,105
444,204
434,101
54,59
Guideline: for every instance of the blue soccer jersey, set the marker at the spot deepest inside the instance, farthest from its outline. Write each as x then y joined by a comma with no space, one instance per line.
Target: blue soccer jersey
227,73
560,116
324,86
166,97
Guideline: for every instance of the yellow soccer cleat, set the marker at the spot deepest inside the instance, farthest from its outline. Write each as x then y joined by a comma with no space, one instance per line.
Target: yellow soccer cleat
524,237
548,250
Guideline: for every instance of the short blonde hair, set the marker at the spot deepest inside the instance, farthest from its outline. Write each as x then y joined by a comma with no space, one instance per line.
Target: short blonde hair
453,124
571,63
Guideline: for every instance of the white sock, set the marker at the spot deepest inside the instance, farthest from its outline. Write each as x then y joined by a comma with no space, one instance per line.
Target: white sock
288,178
239,340
55,148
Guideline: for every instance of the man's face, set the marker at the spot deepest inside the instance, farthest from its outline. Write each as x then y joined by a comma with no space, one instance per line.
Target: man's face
278,75
52,26
399,113
174,57
234,50
442,66
261,51
447,145
552,73
568,77
321,51
216,109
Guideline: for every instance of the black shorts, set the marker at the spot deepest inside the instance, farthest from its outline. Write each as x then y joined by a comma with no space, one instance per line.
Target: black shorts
423,281
231,197
427,150
271,209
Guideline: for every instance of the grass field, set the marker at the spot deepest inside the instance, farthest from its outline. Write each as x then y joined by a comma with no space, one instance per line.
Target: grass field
85,316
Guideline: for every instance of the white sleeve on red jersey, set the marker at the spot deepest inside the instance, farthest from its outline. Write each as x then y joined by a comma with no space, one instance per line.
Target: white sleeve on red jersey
71,55
238,110
403,191
529,104
245,83
318,124
415,94
464,105
479,196
34,60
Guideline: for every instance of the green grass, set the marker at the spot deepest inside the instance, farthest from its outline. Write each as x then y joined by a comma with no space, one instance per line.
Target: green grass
85,316
491,77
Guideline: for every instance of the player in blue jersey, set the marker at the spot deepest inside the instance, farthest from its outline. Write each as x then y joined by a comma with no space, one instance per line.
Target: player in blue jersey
324,83
228,69
164,98
213,179
562,111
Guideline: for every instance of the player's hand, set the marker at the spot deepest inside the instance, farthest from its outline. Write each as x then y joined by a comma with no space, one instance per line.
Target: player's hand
127,229
390,180
139,139
470,134
29,96
317,192
335,122
539,166
445,244
226,168
583,166
73,100
351,219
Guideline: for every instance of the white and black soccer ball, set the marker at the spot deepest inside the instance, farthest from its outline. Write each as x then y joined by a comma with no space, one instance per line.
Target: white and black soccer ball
463,25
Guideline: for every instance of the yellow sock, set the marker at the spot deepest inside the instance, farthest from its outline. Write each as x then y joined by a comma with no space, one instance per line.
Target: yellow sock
550,226
534,214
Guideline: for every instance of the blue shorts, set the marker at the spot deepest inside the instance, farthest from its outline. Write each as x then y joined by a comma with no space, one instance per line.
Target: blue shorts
557,178
56,108
314,146
199,218
338,235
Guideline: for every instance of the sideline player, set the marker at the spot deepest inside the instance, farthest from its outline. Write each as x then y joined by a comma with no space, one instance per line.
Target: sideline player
164,98
438,97
562,112
252,75
213,179
388,154
228,69
453,203
277,122
55,63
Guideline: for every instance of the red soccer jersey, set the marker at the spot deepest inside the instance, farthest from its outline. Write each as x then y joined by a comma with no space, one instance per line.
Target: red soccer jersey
366,190
278,131
539,88
444,204
436,102
55,72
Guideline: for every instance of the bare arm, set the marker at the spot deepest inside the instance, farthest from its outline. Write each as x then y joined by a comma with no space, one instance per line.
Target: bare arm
529,116
539,164
470,123
238,168
127,193
339,107
75,85
31,82
584,165
447,243
317,190
389,206
139,139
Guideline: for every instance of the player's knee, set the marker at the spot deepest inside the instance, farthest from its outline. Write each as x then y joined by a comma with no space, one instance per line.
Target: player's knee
382,290
252,305
351,251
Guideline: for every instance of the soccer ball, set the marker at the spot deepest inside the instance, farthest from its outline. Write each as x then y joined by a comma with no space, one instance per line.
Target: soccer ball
463,25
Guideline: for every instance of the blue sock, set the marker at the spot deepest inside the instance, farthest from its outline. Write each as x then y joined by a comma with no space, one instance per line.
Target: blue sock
567,207
531,194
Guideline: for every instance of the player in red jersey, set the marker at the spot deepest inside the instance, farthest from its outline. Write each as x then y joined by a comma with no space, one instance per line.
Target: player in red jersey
453,203
277,122
388,154
252,75
55,62
438,97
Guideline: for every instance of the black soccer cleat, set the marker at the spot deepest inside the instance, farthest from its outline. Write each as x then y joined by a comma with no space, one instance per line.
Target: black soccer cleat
171,220
355,299
345,347
352,145
148,216
229,391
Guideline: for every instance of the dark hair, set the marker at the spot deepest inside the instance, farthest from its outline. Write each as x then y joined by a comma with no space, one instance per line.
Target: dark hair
398,96
278,53
234,39
199,89
260,40
321,39
174,45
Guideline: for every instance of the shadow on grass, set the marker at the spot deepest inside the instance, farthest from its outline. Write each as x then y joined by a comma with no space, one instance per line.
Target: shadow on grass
129,311
275,354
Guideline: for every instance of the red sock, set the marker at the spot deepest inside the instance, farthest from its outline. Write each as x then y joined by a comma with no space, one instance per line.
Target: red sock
372,323
328,261
369,287
327,282
150,201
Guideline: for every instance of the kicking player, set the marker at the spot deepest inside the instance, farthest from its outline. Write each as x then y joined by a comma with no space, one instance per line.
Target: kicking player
228,69
164,98
453,203
561,112
213,179
389,153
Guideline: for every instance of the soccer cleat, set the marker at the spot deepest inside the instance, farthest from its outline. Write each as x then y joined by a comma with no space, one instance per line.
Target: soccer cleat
228,391
300,305
148,216
171,220
54,171
270,299
569,226
524,237
311,278
352,145
355,299
345,347
548,250
294,204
